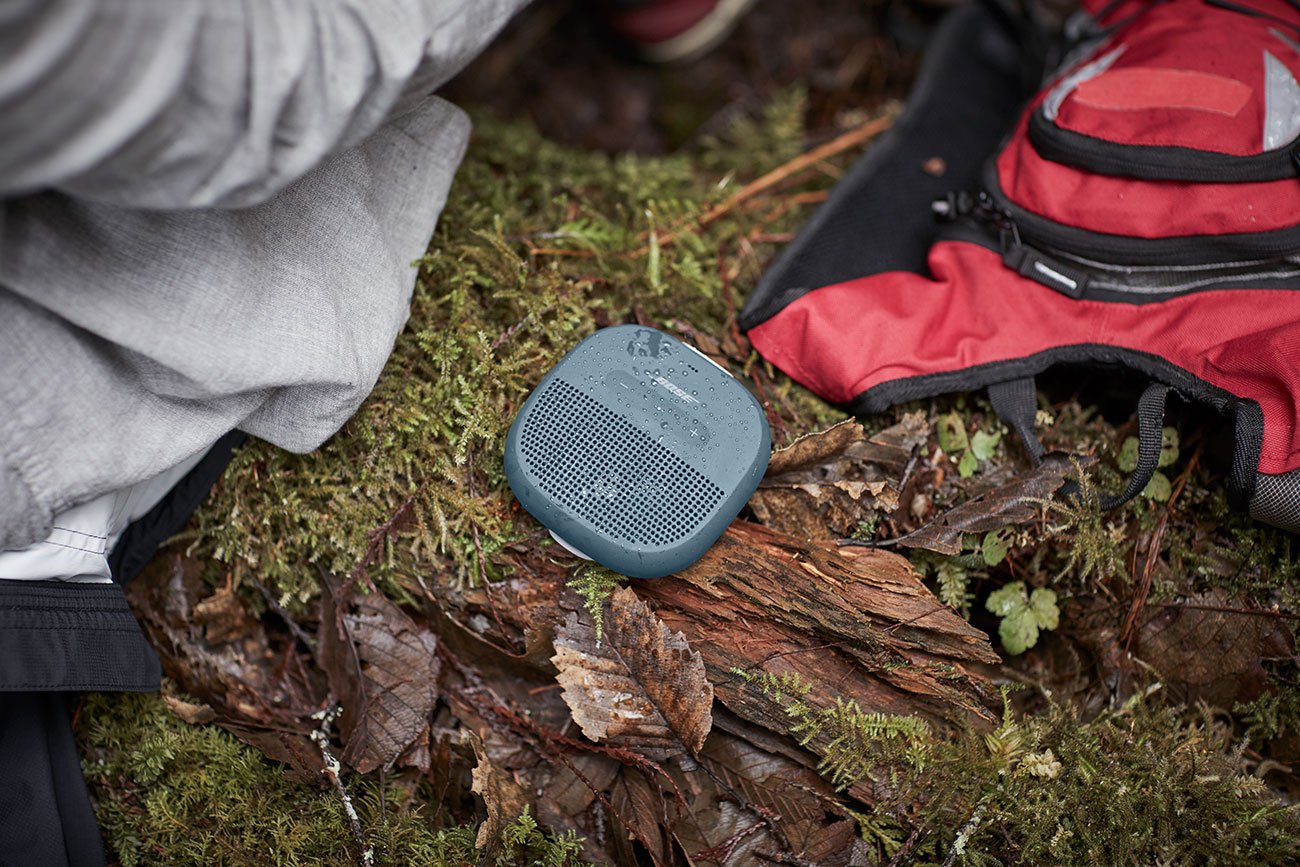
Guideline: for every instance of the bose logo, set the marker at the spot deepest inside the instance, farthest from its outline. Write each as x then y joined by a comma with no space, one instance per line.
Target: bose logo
675,390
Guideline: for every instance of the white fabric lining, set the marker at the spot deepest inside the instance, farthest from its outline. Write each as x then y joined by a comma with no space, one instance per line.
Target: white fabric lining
77,548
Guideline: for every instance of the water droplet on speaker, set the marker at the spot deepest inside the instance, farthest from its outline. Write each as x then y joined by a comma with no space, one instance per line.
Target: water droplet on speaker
664,425
656,371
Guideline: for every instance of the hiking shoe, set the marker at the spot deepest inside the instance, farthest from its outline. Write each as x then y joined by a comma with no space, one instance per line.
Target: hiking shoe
664,31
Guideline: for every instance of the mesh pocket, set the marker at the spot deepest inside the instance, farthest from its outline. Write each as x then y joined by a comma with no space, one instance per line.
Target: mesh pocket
1277,500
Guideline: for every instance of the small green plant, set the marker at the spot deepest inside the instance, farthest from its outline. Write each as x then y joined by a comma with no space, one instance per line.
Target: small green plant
851,740
995,546
524,842
954,586
1095,546
1272,715
1023,615
966,451
1138,785
595,584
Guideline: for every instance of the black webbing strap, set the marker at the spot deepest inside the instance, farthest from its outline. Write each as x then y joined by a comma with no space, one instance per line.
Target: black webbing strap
1016,404
1151,422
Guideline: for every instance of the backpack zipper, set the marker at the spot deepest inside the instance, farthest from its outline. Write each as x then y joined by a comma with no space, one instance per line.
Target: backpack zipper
1083,273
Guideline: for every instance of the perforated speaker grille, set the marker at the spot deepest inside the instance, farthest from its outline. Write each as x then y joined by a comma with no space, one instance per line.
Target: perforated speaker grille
596,464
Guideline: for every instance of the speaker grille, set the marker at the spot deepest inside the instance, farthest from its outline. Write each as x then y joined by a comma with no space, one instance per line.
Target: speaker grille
596,464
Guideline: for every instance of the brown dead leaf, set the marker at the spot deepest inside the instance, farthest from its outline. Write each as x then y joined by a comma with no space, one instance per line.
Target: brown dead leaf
641,686
384,670
1012,503
568,801
802,805
237,668
822,484
194,714
502,794
643,810
295,750
222,616
419,754
1212,647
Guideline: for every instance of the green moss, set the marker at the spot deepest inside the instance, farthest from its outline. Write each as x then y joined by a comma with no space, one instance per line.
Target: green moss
1142,785
537,247
169,793
594,584
1272,715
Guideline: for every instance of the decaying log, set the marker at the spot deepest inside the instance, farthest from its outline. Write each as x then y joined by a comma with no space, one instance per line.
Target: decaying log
857,625
846,626
854,625
858,621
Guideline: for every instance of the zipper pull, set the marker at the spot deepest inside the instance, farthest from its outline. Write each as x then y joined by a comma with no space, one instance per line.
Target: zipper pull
1016,255
1041,268
953,206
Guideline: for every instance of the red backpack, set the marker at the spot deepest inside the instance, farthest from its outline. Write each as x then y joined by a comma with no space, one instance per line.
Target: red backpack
1143,210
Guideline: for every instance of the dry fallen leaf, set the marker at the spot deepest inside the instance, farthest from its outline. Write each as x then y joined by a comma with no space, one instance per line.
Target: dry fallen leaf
800,805
1013,503
384,669
567,800
218,652
641,806
194,714
1212,647
222,616
502,794
822,484
640,686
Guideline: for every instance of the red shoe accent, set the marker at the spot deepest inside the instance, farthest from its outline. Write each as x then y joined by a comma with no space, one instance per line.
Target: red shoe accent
660,20
669,30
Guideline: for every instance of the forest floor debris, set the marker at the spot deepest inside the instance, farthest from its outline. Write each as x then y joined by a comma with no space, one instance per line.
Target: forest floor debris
817,699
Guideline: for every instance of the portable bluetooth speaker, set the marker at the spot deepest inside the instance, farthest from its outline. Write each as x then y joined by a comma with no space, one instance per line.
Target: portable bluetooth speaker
637,451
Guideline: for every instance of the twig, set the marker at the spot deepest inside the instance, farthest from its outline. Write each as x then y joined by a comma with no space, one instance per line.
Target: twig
850,139
298,632
871,543
783,858
765,817
1153,554
375,541
1229,609
514,329
722,852
854,137
321,737
478,551
906,847
963,836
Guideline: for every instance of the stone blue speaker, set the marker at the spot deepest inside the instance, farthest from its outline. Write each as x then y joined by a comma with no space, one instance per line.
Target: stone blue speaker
637,451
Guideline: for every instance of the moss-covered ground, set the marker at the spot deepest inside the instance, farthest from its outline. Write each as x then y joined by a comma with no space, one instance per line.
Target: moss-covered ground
1098,761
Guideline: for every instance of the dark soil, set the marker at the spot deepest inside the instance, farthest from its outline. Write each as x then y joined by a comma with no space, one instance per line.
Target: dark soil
560,66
